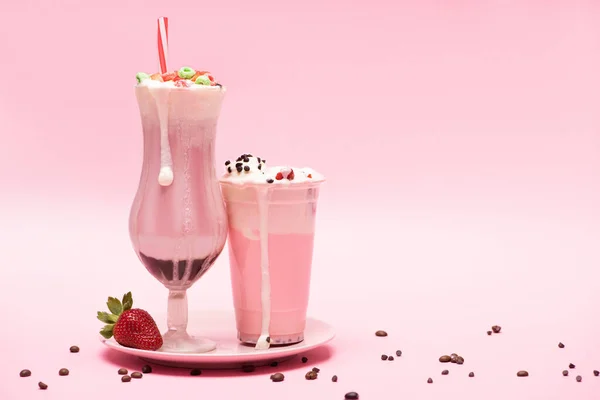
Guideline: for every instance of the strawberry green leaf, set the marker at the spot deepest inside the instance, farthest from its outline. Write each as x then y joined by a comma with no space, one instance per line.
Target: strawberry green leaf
107,318
114,305
127,301
107,331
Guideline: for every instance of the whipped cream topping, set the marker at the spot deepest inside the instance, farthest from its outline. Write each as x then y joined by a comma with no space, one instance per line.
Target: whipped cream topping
248,169
188,84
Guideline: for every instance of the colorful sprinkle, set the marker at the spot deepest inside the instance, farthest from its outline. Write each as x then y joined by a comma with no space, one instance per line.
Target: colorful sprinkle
186,73
141,76
169,76
203,80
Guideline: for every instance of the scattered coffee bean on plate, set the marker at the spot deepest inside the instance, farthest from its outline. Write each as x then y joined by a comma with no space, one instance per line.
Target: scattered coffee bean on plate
384,357
278,377
195,372
137,375
522,373
496,329
460,360
248,368
578,378
596,372
334,378
122,371
445,372
445,359
74,349
146,369
453,358
571,365
471,374
489,333
565,373
391,358
63,372
381,333
561,346
317,370
351,396
125,378
25,373
311,375
42,385
398,353
274,364
429,380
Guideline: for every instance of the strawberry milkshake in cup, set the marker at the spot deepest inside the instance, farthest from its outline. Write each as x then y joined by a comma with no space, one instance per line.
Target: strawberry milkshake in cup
271,216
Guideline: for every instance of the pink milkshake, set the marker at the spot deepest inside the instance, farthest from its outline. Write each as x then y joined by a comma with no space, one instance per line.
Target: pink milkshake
178,223
271,213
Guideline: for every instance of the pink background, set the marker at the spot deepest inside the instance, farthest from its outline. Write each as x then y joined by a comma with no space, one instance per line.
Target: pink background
461,142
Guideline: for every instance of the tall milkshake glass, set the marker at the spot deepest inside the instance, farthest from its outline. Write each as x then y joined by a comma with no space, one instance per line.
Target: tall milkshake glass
271,236
178,224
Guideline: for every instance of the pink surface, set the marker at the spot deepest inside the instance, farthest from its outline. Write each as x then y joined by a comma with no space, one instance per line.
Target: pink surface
461,146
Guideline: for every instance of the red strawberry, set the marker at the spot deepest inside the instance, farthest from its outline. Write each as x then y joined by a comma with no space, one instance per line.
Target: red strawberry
279,176
291,175
131,327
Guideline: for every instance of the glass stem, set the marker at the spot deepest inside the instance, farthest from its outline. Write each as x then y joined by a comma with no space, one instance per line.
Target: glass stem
177,311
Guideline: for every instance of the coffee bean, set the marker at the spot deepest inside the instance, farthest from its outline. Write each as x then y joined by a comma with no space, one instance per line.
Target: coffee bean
63,372
453,358
445,372
596,372
311,375
429,380
381,333
471,374
268,337
274,364
578,378
25,373
304,360
122,371
489,333
42,385
351,396
384,357
445,359
278,377
227,162
460,360
137,375
125,378
74,349
270,180
248,368
317,370
496,329
565,373
195,372
334,378
391,358
522,373
146,369
561,346
398,353
571,365
247,168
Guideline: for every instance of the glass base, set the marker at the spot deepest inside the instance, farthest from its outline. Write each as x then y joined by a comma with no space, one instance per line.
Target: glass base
181,342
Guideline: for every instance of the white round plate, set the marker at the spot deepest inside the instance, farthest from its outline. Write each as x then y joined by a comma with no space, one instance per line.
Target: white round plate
219,326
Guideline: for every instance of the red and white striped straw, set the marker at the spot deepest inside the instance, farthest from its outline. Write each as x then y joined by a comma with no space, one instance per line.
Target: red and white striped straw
163,43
